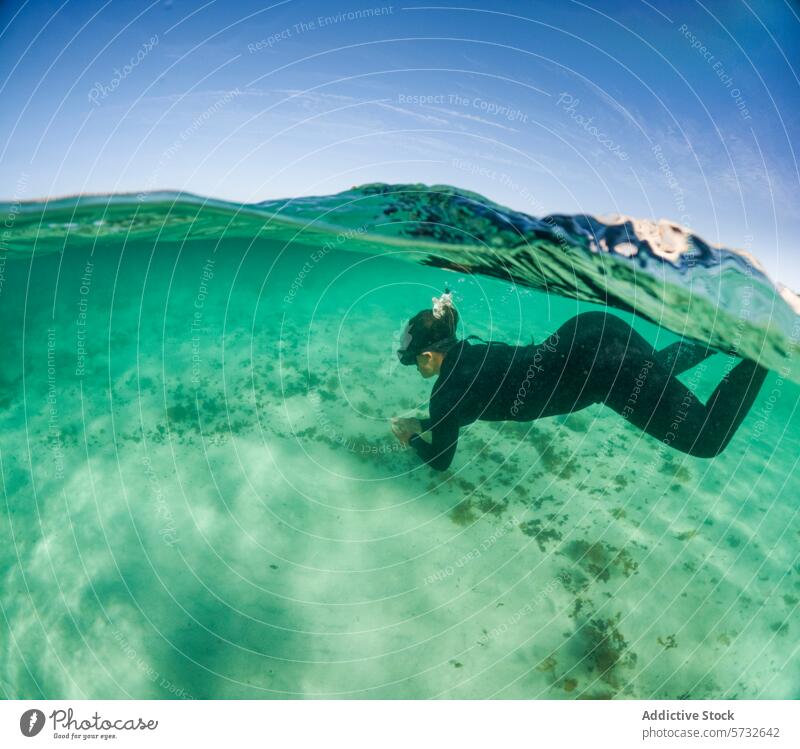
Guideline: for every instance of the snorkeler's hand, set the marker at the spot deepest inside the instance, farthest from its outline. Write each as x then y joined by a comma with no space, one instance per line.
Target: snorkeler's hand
404,428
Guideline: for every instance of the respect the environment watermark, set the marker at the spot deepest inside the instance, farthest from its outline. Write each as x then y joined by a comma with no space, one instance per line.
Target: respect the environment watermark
320,22
170,152
535,204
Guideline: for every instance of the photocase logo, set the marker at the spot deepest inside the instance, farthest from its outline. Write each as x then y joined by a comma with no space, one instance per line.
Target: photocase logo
31,722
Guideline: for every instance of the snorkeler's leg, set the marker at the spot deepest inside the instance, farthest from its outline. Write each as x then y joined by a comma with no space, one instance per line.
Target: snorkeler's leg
683,355
651,398
730,403
615,339
621,369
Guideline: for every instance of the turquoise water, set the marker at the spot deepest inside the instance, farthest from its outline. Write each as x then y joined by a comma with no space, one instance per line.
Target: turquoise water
202,497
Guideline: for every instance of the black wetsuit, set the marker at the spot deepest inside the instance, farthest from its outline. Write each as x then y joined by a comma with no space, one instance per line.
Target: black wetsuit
594,357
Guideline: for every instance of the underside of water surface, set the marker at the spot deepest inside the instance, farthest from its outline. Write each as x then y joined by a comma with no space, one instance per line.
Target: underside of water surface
203,498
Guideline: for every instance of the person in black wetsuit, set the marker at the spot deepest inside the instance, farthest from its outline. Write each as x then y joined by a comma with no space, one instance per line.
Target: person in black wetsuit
594,357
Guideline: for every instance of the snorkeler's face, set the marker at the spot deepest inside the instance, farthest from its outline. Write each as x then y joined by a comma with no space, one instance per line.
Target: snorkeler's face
429,363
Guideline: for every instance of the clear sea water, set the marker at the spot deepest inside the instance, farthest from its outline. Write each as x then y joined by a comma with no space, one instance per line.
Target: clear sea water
202,497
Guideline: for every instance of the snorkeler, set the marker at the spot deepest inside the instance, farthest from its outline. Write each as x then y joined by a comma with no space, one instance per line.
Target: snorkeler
595,357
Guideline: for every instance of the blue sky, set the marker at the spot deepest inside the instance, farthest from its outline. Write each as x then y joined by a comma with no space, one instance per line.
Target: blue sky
684,110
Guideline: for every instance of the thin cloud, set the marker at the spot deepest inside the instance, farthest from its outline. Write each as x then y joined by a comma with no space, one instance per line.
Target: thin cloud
416,115
475,118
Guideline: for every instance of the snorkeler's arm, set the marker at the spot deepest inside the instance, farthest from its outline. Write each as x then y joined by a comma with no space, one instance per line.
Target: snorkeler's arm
439,453
426,424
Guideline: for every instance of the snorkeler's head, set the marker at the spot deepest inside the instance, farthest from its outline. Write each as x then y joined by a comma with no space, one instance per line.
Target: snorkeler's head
430,330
